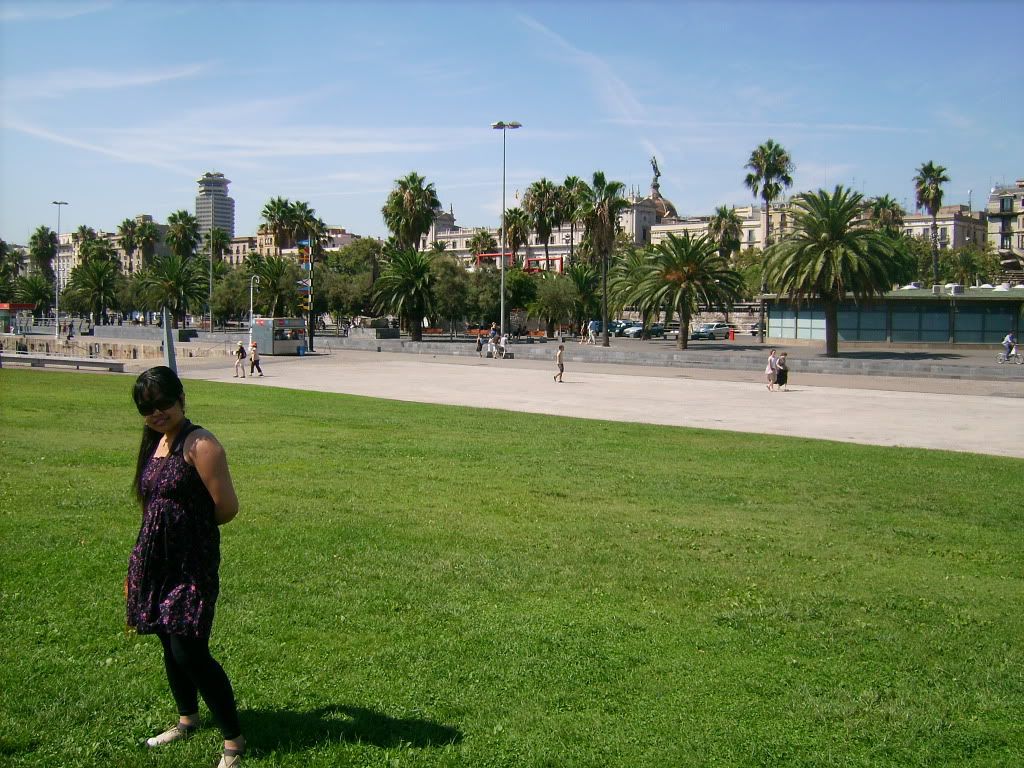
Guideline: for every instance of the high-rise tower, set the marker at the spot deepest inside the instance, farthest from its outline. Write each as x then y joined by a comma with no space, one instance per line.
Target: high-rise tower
213,206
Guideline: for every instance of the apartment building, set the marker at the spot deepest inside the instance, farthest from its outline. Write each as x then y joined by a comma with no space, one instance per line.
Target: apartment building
1006,224
958,226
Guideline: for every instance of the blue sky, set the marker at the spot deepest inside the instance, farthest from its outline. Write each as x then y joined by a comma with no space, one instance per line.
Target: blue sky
118,107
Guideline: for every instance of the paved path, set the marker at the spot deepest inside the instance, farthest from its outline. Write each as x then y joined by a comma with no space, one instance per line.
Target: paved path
980,417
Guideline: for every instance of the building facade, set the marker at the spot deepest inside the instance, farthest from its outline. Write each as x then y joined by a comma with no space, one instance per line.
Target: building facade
1006,224
213,206
958,227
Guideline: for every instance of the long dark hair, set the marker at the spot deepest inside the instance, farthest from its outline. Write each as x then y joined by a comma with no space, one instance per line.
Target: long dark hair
157,383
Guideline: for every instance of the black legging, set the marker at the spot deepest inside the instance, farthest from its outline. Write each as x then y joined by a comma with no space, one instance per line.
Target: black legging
191,671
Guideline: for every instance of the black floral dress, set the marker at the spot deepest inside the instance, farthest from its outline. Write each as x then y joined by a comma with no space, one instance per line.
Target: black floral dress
173,570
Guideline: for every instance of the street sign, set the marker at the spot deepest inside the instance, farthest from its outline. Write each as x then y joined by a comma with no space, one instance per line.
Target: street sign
302,242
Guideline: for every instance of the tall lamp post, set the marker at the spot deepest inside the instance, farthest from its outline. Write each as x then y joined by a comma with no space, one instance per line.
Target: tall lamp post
504,127
56,275
253,279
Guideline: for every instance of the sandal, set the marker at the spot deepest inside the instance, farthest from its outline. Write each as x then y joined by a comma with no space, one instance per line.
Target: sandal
179,731
232,758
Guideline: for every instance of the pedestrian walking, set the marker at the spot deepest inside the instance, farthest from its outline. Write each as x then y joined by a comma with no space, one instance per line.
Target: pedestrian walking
239,361
559,362
479,345
254,359
771,370
503,346
184,486
782,371
492,348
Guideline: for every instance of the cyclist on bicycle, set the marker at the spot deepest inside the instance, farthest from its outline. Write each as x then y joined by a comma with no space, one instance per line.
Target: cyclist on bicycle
1009,344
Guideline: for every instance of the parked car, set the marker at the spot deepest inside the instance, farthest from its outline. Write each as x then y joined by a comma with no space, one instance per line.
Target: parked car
712,331
635,332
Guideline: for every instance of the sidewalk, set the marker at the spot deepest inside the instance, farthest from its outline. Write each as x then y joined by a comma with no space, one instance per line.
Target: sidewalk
951,414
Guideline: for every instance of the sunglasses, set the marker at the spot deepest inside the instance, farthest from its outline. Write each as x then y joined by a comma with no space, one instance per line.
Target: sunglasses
147,407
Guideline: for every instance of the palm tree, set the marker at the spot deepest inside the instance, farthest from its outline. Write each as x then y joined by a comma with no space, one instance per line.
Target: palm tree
686,272
833,251
176,282
83,235
438,247
128,231
36,290
600,206
147,235
771,171
95,283
928,189
570,208
182,234
517,230
10,268
587,283
217,243
277,215
625,280
277,279
98,250
482,241
405,289
542,205
726,229
886,215
410,209
42,250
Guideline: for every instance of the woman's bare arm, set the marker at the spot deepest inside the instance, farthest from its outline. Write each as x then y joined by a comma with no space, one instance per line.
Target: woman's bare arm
206,454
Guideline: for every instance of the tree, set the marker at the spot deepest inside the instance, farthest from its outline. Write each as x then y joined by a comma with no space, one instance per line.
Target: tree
969,265
36,290
42,250
726,229
771,171
556,298
128,231
147,235
928,192
542,204
600,206
586,281
520,288
484,300
517,230
886,215
83,235
451,289
833,251
405,289
95,284
438,247
176,282
625,280
410,209
217,243
569,199
686,272
231,295
276,287
182,234
482,241
10,269
277,217
99,250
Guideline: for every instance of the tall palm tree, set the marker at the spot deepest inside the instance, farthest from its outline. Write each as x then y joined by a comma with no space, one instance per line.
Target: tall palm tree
176,282
600,206
277,280
726,229
517,230
128,231
543,207
36,290
147,235
686,272
438,247
10,268
587,282
217,243
886,215
771,170
277,217
410,209
182,234
42,250
95,283
625,279
570,209
405,288
84,234
98,250
832,251
928,190
482,241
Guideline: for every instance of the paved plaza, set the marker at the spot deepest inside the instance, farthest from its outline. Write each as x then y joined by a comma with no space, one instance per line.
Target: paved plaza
950,414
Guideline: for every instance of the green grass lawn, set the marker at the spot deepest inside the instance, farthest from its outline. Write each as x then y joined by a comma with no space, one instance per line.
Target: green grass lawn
418,585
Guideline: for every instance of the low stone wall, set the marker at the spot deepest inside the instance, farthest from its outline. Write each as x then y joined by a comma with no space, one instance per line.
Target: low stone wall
112,349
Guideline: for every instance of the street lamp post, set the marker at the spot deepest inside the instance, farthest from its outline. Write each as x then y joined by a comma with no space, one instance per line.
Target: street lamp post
56,275
504,127
253,279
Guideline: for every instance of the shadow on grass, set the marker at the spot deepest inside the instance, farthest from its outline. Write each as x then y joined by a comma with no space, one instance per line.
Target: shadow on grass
287,730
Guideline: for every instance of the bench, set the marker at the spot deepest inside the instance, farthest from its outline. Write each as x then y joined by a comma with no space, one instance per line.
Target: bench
40,361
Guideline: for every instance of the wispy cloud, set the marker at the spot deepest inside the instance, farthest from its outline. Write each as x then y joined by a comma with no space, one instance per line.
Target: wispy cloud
53,11
58,83
792,125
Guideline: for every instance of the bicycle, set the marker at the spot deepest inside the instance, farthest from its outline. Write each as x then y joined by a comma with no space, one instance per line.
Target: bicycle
1014,357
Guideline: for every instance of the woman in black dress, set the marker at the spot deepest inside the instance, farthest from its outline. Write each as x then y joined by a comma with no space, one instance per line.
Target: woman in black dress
184,486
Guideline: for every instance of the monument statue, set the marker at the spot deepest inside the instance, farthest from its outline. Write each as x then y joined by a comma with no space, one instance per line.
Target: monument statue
657,171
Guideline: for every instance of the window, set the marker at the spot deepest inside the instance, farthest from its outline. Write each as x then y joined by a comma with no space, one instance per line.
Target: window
1004,243
944,234
1005,204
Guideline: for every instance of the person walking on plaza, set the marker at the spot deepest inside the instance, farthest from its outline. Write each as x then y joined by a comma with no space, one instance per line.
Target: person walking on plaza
254,359
184,486
503,346
771,370
479,346
559,362
239,361
782,371
492,348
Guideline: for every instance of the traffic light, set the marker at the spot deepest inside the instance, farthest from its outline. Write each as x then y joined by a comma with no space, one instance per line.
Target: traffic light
307,302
